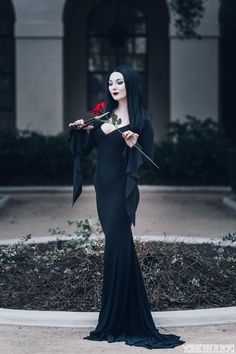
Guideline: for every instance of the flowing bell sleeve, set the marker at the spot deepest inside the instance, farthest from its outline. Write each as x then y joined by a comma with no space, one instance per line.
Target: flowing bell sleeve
133,160
81,143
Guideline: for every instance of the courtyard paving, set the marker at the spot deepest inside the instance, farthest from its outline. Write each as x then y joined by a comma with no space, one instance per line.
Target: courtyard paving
43,340
159,213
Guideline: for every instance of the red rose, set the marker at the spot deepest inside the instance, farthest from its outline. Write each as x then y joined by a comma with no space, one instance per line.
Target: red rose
99,108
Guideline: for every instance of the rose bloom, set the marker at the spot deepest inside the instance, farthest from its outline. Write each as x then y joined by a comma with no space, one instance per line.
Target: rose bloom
99,108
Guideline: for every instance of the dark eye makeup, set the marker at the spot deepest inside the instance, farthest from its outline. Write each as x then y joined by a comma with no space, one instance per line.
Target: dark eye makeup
118,82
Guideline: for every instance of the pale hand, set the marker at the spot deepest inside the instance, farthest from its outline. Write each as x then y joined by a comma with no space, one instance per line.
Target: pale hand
79,124
130,138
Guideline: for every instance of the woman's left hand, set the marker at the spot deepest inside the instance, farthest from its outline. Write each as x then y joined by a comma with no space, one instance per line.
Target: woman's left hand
130,138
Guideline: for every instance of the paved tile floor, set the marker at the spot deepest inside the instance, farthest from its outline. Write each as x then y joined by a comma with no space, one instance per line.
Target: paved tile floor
42,340
159,213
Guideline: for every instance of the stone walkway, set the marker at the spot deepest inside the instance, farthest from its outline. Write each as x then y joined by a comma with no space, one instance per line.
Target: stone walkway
159,213
43,340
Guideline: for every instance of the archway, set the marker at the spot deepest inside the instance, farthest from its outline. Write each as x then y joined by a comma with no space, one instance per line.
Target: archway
149,55
121,37
7,65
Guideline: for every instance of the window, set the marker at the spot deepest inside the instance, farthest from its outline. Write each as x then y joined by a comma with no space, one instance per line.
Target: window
117,34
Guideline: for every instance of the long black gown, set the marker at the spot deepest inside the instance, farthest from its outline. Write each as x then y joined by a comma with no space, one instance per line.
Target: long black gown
125,313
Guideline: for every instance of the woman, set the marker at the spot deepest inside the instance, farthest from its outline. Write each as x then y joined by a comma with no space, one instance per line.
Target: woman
125,313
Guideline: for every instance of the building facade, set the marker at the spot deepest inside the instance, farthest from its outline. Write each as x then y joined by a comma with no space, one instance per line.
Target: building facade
55,54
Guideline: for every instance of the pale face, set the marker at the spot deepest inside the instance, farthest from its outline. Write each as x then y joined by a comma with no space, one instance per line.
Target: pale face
117,86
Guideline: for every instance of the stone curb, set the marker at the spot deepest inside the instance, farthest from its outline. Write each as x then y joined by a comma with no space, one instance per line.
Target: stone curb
90,188
230,202
4,199
199,317
143,238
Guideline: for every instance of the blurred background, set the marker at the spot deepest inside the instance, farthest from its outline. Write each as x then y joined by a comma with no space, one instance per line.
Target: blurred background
54,57
55,54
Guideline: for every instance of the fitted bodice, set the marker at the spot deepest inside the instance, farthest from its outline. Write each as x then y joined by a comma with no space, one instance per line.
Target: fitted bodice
110,167
117,163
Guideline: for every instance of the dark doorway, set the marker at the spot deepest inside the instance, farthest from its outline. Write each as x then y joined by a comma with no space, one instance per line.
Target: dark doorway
228,67
7,65
120,38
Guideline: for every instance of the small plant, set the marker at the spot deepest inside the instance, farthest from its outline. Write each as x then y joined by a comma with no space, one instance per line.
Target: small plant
26,237
84,229
57,231
230,237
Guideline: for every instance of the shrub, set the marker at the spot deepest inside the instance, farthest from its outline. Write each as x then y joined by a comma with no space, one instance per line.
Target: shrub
232,168
193,152
30,158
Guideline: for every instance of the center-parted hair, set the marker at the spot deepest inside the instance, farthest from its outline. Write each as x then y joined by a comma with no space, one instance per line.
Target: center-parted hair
135,96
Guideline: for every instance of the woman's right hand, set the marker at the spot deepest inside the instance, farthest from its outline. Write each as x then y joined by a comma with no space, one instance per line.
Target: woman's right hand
79,124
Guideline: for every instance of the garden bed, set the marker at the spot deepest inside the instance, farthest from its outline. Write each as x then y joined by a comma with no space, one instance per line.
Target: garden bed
67,275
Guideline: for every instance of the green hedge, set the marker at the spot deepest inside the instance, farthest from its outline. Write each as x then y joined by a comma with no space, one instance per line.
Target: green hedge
232,168
193,152
31,158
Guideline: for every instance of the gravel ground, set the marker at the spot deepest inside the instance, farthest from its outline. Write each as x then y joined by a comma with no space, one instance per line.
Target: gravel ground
188,214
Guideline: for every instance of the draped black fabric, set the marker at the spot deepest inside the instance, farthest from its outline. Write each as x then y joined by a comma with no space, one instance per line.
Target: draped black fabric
82,143
125,313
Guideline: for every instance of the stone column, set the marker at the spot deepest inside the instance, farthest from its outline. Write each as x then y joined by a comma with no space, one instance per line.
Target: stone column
39,66
194,70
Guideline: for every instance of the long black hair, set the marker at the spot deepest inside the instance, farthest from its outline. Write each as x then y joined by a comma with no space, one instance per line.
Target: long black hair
135,96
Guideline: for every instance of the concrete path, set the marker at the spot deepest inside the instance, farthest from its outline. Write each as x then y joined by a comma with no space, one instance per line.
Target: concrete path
43,340
159,213
181,318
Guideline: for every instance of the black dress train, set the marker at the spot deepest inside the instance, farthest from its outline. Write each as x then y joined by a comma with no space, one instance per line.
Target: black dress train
125,313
